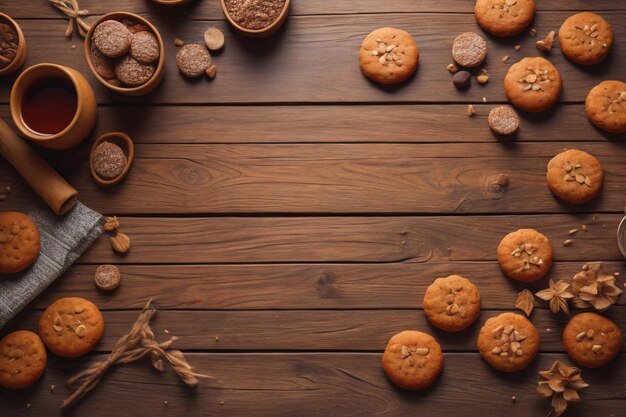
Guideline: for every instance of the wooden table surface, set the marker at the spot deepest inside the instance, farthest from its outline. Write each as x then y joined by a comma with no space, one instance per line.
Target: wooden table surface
288,216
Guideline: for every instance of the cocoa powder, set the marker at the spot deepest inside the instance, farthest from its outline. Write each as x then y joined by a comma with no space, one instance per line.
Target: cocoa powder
8,43
254,14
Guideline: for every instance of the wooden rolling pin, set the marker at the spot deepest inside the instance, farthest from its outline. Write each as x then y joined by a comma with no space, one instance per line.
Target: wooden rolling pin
46,182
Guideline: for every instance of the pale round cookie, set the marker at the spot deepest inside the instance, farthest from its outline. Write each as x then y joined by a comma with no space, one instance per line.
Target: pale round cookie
503,120
104,66
144,47
525,255
112,38
107,277
19,242
533,84
22,359
592,340
606,106
412,360
193,60
132,72
575,176
585,38
508,342
388,56
504,17
452,303
469,49
71,327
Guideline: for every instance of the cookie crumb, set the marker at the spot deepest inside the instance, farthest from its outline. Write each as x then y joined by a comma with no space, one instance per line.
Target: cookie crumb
73,46
545,45
52,389
8,188
217,338
533,32
166,331
484,99
165,403
584,228
221,402
3,197
568,242
211,72
518,47
482,77
573,231
178,42
27,405
513,399
470,110
504,58
452,68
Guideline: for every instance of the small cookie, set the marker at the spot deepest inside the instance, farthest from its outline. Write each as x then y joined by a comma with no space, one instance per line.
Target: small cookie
452,303
533,84
388,56
133,73
575,176
504,17
144,47
525,255
508,342
19,241
193,60
107,277
108,160
469,49
503,120
112,38
606,106
71,327
585,38
412,360
104,66
22,359
592,340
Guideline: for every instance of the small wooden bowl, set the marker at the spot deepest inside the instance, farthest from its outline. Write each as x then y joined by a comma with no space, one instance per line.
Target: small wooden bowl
123,141
171,2
20,53
259,33
621,237
153,82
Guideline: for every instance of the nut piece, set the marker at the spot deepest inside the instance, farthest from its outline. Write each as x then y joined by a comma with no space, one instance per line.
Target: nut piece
120,243
482,77
178,42
80,330
546,44
452,68
111,224
470,110
214,39
504,58
405,352
211,72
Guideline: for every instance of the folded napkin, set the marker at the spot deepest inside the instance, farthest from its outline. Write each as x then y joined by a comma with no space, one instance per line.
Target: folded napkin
63,240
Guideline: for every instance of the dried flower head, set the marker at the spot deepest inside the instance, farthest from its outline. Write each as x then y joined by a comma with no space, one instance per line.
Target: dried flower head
557,295
593,288
562,383
525,301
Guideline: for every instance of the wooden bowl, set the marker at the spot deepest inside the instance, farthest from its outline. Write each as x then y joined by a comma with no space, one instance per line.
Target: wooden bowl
621,237
20,53
259,33
153,82
123,141
171,2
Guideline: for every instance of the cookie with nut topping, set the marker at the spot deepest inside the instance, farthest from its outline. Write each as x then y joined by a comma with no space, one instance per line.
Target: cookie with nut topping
71,326
508,342
575,176
504,18
525,255
606,106
533,84
585,38
592,340
19,242
412,360
452,303
22,359
388,56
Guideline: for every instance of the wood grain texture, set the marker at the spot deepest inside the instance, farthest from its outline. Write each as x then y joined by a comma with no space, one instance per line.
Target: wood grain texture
309,286
314,59
308,385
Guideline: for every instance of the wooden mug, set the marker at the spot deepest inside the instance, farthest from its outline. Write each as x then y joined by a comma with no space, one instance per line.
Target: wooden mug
86,110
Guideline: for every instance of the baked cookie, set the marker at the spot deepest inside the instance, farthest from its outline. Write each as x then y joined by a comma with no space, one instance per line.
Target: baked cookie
533,84
469,49
22,359
508,342
504,17
19,240
132,72
193,60
112,38
412,360
592,340
144,47
388,56
585,38
71,327
606,106
452,303
525,255
503,120
575,176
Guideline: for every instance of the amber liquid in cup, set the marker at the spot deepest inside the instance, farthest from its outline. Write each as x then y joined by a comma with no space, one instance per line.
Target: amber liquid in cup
49,106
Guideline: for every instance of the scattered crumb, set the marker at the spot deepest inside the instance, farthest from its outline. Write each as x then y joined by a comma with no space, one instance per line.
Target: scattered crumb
166,331
484,99
211,72
165,403
52,388
548,330
482,77
452,68
584,228
470,110
514,398
518,47
2,197
8,188
568,242
546,44
178,42
573,231
27,405
585,267
217,338
221,402
504,58
533,32
595,218
616,274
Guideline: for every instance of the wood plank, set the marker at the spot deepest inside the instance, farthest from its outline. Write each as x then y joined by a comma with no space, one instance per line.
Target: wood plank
310,286
314,59
335,178
309,385
320,330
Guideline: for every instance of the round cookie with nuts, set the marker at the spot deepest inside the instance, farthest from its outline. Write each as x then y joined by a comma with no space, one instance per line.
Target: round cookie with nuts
592,340
71,327
525,255
504,18
606,106
412,360
575,176
452,303
533,84
388,56
508,342
469,49
585,38
22,359
19,241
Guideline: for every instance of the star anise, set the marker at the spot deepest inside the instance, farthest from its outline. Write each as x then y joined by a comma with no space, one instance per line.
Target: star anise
525,301
562,383
593,288
557,295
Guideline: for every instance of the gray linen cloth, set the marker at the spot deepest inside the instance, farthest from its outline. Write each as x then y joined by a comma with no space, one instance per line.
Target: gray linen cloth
63,240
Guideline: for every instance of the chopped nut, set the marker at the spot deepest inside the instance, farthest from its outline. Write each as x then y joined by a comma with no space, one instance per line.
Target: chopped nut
111,224
546,44
422,351
211,72
482,77
405,352
165,403
52,388
596,348
533,32
452,68
80,330
513,398
518,47
504,58
470,110
120,243
584,228
573,231
178,42
484,99
568,242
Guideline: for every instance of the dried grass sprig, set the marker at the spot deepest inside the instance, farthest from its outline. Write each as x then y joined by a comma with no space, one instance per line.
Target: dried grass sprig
72,10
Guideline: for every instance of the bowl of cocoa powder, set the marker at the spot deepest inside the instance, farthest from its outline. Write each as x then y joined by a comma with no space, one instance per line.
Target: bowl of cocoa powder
12,45
256,18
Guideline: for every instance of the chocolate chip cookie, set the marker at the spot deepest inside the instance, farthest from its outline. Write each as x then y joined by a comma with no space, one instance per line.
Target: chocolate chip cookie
388,56
586,38
504,17
592,340
525,255
533,84
606,106
452,303
575,176
22,359
19,241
